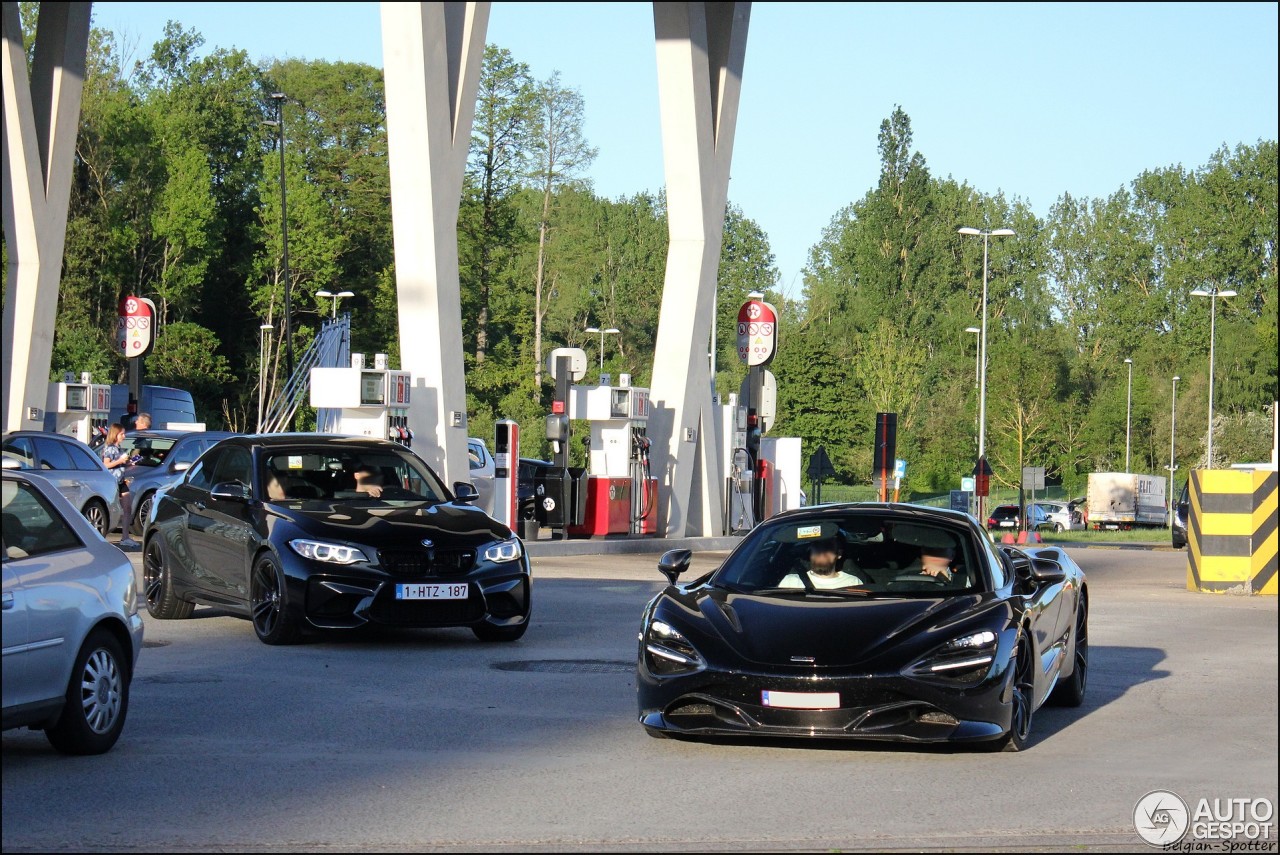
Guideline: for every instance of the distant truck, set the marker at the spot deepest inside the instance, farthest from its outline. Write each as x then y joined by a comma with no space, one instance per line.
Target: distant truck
1125,500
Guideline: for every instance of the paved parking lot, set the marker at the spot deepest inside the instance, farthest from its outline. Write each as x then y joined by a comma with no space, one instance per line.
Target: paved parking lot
431,741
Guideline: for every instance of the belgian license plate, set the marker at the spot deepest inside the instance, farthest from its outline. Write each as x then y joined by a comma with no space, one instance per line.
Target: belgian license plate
458,591
801,700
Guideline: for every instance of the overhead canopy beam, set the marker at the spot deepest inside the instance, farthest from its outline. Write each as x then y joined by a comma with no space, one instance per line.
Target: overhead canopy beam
701,48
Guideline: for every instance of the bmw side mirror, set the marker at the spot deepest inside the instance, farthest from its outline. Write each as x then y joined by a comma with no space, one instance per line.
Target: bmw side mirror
181,466
675,562
232,491
465,491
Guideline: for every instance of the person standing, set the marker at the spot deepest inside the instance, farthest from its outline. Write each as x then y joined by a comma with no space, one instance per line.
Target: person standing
117,461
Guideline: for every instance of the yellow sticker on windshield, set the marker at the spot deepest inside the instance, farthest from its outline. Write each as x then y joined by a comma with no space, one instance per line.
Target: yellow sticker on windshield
295,461
809,531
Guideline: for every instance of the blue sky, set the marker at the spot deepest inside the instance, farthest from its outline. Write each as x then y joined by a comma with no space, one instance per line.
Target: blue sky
1031,99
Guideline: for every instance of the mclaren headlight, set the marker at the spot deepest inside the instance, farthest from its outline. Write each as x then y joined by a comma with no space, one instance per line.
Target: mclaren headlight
327,553
964,659
668,652
504,551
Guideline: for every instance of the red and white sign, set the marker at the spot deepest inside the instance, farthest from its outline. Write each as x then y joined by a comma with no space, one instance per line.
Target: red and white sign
135,328
757,332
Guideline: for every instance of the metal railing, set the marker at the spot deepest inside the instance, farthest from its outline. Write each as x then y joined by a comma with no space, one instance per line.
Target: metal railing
331,348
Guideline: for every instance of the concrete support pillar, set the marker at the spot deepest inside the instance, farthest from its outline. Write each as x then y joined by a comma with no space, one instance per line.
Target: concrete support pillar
41,116
432,55
700,49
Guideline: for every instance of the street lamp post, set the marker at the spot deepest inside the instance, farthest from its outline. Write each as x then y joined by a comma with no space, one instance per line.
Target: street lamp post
1173,423
335,297
264,333
977,353
279,98
1213,294
603,333
986,235
1128,408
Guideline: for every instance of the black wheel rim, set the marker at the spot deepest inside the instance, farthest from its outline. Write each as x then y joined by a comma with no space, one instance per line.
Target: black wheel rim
266,598
152,575
144,511
1023,691
1082,647
101,691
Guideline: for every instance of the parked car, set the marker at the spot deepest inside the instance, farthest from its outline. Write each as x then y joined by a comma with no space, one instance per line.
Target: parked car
272,527
1181,510
967,655
72,632
527,474
483,470
1062,516
1006,516
163,455
72,468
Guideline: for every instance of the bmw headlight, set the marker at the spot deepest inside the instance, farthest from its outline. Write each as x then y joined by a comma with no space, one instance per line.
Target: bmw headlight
507,550
964,659
328,553
668,652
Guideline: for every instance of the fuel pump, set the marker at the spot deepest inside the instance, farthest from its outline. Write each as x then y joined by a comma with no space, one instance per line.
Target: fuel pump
506,468
738,462
360,401
79,409
621,495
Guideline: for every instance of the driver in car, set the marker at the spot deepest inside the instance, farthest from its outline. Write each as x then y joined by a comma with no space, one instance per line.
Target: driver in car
825,567
934,561
369,480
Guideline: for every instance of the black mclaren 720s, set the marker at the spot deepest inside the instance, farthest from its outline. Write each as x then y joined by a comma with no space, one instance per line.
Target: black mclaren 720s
865,621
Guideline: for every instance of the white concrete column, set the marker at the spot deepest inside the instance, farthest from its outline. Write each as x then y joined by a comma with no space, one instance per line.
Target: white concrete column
432,55
41,117
700,48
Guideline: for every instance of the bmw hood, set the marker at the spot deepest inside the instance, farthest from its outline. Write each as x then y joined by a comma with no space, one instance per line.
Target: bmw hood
826,633
387,524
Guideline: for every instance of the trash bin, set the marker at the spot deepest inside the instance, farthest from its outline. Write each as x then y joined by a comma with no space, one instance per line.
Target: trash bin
530,529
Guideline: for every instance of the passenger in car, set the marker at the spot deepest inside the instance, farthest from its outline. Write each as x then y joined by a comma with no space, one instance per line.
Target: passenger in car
934,561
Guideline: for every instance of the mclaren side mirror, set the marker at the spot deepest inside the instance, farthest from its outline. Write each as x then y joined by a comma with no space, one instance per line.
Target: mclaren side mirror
674,562
1047,571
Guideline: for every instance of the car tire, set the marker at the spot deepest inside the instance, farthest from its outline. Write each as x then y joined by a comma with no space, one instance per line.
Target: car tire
1057,527
273,619
489,632
98,516
97,699
1070,693
157,585
1019,736
142,511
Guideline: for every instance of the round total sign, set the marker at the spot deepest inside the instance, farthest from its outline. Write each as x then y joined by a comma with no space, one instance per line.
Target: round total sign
757,332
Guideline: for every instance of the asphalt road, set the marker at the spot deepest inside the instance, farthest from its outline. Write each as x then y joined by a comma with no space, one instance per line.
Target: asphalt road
432,741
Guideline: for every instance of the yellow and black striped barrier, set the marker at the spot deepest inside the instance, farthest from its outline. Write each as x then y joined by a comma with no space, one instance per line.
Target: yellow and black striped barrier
1231,532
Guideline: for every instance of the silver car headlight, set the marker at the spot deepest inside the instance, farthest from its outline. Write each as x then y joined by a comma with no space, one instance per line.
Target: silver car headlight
504,551
328,553
964,659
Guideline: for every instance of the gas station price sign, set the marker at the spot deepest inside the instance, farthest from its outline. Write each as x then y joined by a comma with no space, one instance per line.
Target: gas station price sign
757,333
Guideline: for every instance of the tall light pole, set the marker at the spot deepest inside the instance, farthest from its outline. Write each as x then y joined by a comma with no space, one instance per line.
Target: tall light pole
1213,294
986,235
1173,423
1128,408
279,98
264,333
603,333
335,297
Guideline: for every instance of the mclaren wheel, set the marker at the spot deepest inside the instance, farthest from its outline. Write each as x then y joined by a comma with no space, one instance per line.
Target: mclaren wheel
1070,692
273,620
1024,698
157,585
97,699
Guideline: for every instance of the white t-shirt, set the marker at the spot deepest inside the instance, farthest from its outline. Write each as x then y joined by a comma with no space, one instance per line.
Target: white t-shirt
839,580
